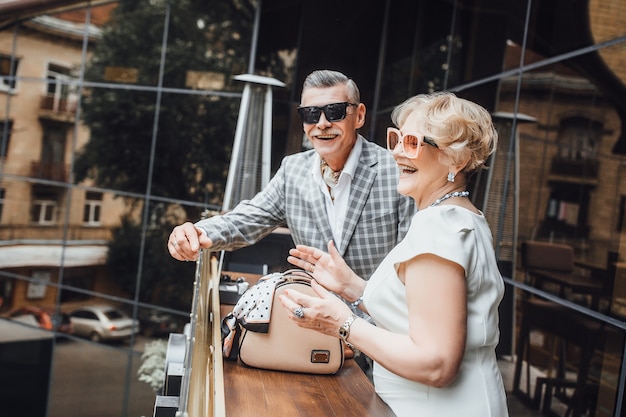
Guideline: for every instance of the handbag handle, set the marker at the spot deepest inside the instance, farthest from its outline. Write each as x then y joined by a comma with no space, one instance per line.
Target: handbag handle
296,275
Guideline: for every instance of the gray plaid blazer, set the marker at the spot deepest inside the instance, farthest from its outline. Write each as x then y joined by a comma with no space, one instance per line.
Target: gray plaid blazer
378,216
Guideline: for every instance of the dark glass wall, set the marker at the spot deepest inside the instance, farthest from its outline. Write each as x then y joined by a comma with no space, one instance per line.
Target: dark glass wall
117,122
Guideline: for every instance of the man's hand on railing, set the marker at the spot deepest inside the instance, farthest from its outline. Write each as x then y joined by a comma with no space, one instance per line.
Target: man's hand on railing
186,240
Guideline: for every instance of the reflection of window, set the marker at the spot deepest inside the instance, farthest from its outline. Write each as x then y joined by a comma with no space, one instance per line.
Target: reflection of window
37,288
44,208
578,138
5,135
60,90
52,164
8,69
564,211
578,142
93,208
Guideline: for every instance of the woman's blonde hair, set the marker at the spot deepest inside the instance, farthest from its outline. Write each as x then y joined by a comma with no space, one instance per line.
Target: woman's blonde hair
463,130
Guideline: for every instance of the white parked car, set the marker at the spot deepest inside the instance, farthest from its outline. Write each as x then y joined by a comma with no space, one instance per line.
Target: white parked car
102,322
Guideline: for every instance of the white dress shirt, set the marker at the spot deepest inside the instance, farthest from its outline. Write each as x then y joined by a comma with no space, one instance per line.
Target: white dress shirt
338,208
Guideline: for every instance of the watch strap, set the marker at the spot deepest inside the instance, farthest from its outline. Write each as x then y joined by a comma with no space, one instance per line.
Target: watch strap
344,330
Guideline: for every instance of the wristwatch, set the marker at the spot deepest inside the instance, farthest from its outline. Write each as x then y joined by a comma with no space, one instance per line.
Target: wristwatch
344,330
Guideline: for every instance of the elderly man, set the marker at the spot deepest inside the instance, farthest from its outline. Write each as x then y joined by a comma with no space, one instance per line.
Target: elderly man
342,190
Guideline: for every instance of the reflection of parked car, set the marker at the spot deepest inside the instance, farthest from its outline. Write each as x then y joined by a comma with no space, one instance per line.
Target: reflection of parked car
46,318
159,323
102,322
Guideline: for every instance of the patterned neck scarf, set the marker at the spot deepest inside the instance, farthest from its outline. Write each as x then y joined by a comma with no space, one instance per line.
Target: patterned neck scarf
331,178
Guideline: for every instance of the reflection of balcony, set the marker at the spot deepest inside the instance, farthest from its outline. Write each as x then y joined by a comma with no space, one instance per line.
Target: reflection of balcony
55,171
59,109
582,168
72,233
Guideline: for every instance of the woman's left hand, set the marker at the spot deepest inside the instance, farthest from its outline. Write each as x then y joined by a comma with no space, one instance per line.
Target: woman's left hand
324,314
328,269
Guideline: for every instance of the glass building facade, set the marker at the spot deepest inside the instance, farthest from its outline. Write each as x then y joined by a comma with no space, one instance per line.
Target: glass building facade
117,122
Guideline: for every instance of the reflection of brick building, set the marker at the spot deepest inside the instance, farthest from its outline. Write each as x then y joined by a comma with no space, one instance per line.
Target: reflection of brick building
572,187
44,223
570,179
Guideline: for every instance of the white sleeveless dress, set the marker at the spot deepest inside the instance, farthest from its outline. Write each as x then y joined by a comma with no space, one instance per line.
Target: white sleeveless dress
463,237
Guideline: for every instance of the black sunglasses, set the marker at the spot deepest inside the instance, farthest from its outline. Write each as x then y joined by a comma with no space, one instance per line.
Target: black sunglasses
334,112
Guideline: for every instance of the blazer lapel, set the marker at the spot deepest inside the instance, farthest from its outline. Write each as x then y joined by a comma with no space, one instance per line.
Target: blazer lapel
362,183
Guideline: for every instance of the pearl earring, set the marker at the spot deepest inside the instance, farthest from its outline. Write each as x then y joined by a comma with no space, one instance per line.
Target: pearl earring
451,176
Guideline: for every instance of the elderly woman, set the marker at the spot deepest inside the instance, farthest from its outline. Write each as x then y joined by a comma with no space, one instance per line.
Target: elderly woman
434,298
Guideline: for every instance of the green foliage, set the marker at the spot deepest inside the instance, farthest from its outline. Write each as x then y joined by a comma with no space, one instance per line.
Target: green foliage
152,369
195,131
188,157
164,280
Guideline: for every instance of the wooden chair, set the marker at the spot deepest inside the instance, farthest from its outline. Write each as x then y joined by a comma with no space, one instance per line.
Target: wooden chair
552,264
604,274
549,263
572,328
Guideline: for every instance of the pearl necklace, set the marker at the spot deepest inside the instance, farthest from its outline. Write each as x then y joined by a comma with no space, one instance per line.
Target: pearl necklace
450,195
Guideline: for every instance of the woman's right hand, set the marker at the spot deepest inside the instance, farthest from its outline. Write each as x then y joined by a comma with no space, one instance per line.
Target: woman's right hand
328,269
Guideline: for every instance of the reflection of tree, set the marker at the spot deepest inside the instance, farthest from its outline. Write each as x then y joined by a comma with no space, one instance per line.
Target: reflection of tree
194,131
205,42
164,281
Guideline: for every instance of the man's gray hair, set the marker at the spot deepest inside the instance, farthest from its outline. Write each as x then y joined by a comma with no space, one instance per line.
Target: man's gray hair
328,78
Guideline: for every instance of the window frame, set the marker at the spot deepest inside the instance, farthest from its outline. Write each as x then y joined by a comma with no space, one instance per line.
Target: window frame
8,72
92,209
44,206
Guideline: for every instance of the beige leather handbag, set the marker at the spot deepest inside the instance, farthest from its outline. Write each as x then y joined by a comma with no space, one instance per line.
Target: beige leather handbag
269,339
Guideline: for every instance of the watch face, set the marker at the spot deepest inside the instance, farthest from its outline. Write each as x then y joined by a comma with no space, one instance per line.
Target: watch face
343,332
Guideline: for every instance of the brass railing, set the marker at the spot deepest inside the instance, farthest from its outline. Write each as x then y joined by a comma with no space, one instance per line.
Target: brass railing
202,389
201,392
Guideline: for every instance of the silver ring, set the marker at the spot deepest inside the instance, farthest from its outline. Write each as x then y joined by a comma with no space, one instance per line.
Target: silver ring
312,268
299,312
